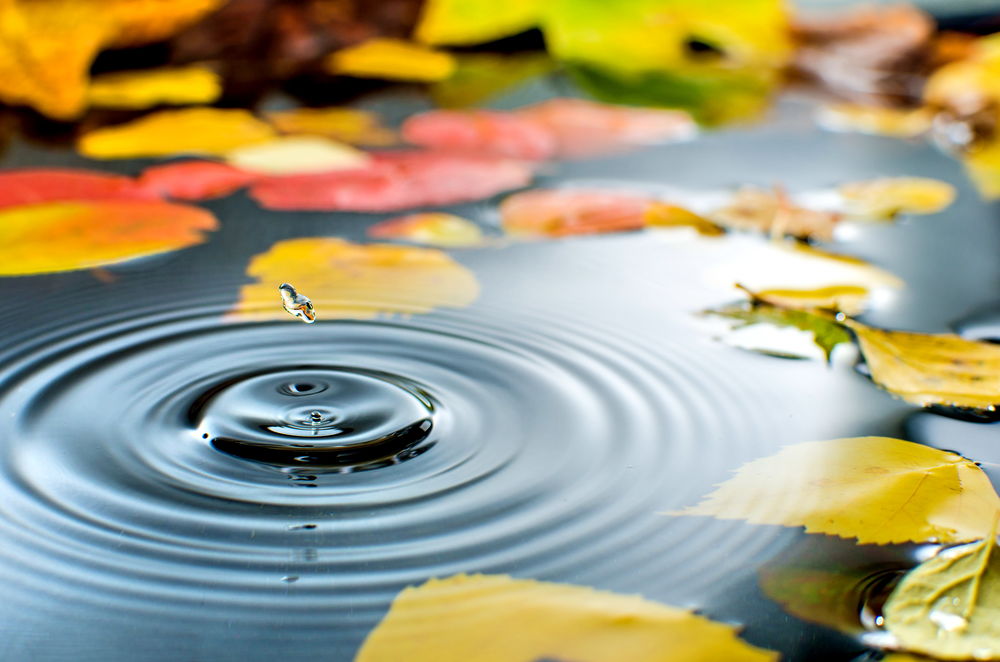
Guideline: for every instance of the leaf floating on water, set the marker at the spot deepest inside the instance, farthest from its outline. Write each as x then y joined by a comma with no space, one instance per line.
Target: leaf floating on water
433,229
492,132
357,281
349,125
297,305
826,333
292,155
949,606
876,120
876,489
212,131
890,196
774,213
47,46
458,620
65,236
664,215
565,212
195,180
34,185
466,22
392,59
143,89
395,181
479,77
932,369
850,299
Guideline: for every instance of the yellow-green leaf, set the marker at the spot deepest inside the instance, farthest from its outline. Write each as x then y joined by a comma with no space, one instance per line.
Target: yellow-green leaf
887,197
850,299
465,22
876,489
392,59
949,606
142,89
356,280
211,131
292,155
826,333
481,76
495,618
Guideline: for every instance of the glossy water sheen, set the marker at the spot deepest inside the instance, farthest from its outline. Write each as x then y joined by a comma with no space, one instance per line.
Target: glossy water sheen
175,486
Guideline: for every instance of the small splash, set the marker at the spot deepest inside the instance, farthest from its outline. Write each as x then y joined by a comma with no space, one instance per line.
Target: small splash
296,304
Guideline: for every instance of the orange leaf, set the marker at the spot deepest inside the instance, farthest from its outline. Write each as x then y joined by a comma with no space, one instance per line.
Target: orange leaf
562,212
65,236
434,228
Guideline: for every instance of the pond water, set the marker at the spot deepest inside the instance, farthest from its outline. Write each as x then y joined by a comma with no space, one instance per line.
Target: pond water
178,485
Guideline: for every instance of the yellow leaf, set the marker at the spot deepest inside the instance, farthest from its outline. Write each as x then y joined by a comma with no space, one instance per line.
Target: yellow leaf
876,120
949,606
349,125
392,59
876,489
354,280
433,229
932,369
293,155
143,89
211,131
850,299
47,46
495,618
889,196
64,236
774,213
664,215
465,22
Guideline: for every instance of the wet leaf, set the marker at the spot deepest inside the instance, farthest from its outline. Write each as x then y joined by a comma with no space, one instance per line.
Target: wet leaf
664,215
827,334
458,619
888,197
492,132
194,180
292,155
212,131
850,299
876,120
33,185
64,236
349,125
47,46
932,369
395,181
392,59
152,87
355,280
479,77
433,229
564,212
465,22
774,213
949,606
876,489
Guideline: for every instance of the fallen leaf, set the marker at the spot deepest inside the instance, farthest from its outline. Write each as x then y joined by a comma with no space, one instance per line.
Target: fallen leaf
179,86
47,46
850,299
564,212
664,215
194,180
65,236
479,77
876,489
392,59
293,155
212,131
349,125
465,22
355,280
492,132
433,229
772,212
33,185
395,181
876,120
458,619
888,197
931,369
826,333
949,606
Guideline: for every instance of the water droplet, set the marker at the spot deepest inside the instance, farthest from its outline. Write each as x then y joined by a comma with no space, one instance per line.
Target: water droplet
948,621
297,304
290,579
302,527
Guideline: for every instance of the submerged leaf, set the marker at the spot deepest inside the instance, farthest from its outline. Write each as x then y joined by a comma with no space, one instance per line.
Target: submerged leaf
392,59
564,212
146,88
349,125
212,131
354,280
827,334
33,185
664,215
932,369
492,132
465,22
64,236
949,606
876,120
876,489
433,229
293,155
194,180
495,618
888,197
774,213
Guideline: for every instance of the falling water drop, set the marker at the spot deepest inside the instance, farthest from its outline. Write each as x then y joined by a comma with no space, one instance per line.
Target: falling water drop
297,304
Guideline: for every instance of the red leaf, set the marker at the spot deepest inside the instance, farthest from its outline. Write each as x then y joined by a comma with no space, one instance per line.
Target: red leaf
32,186
500,133
195,180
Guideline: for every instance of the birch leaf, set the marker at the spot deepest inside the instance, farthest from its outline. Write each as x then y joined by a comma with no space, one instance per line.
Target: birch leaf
888,197
848,299
466,22
292,155
664,215
194,180
565,212
143,89
492,132
876,489
495,618
432,228
827,334
875,120
392,59
478,77
349,125
774,213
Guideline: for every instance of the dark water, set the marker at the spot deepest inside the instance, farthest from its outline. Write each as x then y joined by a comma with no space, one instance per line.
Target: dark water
177,486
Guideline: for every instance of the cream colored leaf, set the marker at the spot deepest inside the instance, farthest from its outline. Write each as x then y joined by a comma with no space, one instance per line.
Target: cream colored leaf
889,196
296,155
774,213
876,120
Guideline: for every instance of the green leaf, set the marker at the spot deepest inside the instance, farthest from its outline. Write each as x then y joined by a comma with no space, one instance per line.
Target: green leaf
827,333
